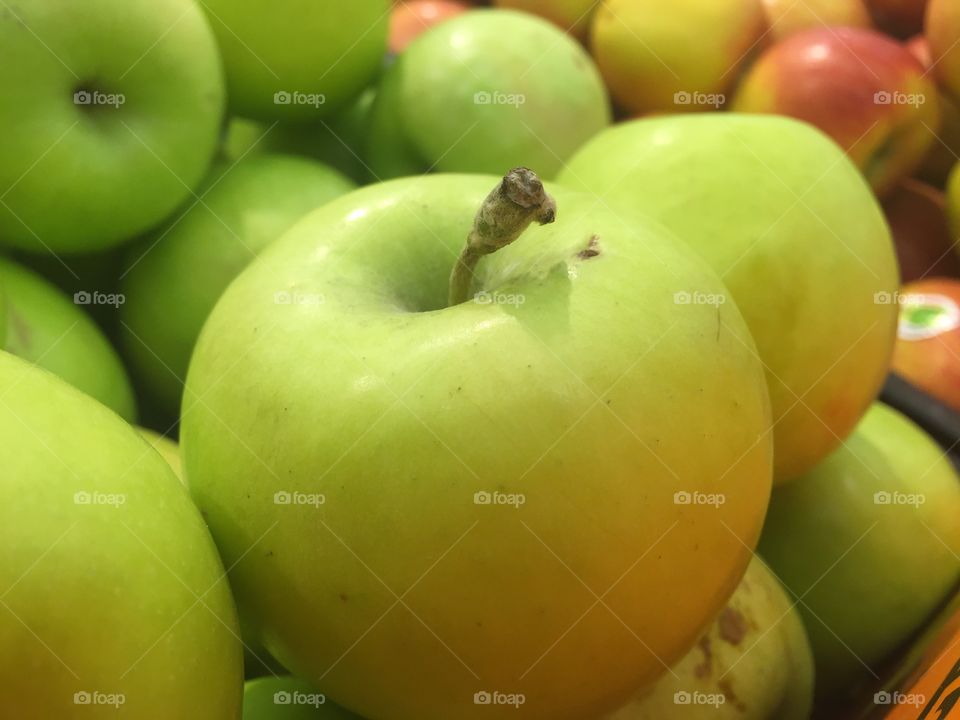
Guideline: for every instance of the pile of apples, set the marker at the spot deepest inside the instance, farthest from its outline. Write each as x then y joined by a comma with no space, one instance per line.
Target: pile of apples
429,361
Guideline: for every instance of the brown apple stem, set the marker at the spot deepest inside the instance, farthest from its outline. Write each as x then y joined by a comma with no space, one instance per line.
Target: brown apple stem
508,210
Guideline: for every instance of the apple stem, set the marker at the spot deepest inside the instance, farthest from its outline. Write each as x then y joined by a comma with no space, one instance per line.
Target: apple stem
508,210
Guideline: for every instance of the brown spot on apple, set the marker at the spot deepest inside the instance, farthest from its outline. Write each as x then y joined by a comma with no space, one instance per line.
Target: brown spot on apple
592,249
732,625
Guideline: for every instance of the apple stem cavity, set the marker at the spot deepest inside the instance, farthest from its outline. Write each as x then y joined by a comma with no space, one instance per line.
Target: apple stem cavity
507,211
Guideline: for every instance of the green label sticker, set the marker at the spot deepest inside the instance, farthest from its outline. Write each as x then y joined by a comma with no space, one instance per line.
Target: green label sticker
924,316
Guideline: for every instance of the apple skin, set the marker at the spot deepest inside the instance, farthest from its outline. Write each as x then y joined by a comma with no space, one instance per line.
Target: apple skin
643,50
943,33
121,597
930,360
47,328
867,573
571,16
804,274
111,171
260,701
787,17
491,401
429,112
945,146
327,48
167,448
188,264
409,19
900,18
917,216
755,656
863,89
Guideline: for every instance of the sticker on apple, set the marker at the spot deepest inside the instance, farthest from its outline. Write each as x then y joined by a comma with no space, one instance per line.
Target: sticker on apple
927,315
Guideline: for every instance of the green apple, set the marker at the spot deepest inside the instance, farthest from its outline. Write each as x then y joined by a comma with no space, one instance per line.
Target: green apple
299,59
868,542
114,601
793,230
52,330
106,130
572,16
753,663
484,91
288,698
175,278
168,449
337,141
438,492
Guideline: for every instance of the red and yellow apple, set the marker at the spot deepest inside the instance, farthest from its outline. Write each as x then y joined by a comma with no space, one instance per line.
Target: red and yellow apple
787,17
917,216
863,89
409,19
943,31
945,147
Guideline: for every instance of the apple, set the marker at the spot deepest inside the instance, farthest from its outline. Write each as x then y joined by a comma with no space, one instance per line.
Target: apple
188,264
288,698
115,603
927,352
572,16
52,330
925,246
945,146
104,132
901,18
787,17
792,229
300,59
484,91
942,27
338,141
753,663
862,88
492,462
645,51
167,448
409,19
868,543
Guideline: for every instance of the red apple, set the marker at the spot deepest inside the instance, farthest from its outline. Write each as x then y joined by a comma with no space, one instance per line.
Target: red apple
901,18
409,19
917,216
863,89
927,352
787,17
945,148
943,32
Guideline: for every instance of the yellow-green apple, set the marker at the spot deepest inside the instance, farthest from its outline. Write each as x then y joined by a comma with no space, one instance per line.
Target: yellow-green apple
105,130
795,233
486,90
945,147
520,432
115,603
52,330
787,17
917,217
174,279
289,698
299,59
900,18
863,89
927,352
409,19
942,28
753,663
167,448
643,50
572,16
868,543
953,200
